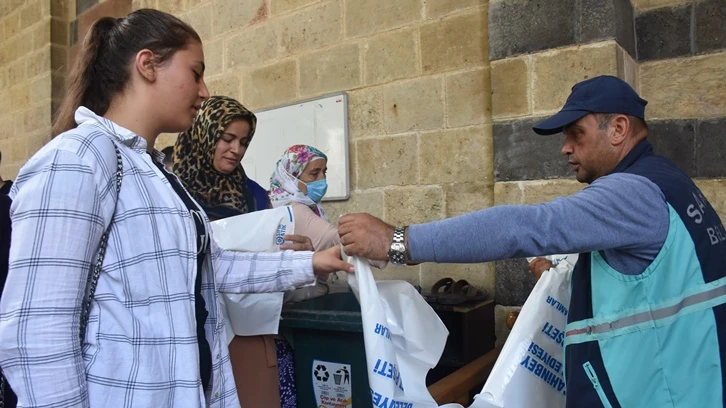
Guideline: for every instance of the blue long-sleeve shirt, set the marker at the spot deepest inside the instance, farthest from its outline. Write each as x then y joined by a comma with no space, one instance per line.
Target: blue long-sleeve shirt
623,215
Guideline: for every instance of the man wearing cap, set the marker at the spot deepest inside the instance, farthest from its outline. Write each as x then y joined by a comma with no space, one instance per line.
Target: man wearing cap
647,319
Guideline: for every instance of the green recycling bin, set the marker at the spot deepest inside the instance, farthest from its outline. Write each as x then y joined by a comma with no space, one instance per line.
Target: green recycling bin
330,360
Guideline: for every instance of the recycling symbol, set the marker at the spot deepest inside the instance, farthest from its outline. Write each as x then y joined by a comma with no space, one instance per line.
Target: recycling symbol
321,373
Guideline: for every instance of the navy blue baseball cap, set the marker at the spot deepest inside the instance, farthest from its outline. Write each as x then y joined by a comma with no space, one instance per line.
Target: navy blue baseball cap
602,94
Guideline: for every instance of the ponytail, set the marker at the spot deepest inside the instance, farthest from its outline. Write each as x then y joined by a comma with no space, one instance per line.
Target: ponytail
102,68
81,80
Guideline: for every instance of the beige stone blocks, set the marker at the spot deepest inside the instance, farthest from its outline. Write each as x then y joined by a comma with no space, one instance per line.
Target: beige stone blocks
330,70
41,87
464,198
139,4
438,8
170,6
391,56
627,68
353,164
20,95
24,45
376,16
4,84
253,46
468,98
284,6
387,161
16,72
270,85
413,205
41,36
455,43
231,14
17,151
61,8
534,191
456,156
410,274
214,57
311,28
11,26
650,4
25,68
540,191
200,18
194,3
228,85
6,132
370,202
8,53
417,104
30,14
9,5
715,192
555,72
510,87
685,87
508,193
365,113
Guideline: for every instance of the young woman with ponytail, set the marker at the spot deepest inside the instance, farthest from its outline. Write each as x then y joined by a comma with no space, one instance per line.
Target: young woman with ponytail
152,336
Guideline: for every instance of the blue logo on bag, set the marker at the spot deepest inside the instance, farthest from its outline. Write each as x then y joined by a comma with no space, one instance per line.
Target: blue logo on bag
279,236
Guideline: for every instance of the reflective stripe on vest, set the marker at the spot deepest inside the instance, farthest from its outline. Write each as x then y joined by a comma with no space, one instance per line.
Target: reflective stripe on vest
697,299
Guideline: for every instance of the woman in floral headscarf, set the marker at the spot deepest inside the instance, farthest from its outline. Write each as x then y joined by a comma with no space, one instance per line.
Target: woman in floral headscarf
300,181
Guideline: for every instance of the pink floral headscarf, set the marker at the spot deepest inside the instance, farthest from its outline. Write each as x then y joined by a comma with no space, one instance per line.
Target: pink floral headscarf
283,183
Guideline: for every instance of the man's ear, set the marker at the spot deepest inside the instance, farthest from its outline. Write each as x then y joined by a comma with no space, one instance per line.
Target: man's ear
620,127
145,65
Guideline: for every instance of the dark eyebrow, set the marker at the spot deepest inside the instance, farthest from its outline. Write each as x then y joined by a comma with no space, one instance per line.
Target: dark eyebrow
571,127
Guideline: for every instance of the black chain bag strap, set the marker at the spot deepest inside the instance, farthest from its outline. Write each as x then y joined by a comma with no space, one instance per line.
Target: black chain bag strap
92,276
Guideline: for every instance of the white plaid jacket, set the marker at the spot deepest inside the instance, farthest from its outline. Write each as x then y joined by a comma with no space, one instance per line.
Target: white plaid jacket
140,347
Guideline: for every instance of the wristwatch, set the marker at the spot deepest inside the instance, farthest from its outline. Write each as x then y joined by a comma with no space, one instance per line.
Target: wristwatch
397,253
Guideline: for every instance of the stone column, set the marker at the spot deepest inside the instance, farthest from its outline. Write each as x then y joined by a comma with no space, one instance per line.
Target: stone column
538,50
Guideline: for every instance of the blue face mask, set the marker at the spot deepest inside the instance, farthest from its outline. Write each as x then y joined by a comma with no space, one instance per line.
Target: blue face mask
317,189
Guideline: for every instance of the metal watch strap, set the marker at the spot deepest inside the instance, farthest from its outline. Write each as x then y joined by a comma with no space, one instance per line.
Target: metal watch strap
397,250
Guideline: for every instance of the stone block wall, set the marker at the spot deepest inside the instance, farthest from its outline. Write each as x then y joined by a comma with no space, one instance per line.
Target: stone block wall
442,93
418,78
33,48
672,52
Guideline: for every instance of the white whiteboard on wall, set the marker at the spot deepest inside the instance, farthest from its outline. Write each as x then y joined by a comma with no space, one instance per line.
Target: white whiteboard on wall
320,122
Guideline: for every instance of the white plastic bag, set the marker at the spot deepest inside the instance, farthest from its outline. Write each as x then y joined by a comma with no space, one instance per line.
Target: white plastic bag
253,314
530,369
404,338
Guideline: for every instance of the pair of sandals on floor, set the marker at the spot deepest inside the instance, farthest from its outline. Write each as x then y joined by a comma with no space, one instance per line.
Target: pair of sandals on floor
446,291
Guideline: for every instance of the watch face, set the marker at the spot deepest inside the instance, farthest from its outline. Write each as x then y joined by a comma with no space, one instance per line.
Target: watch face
398,247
